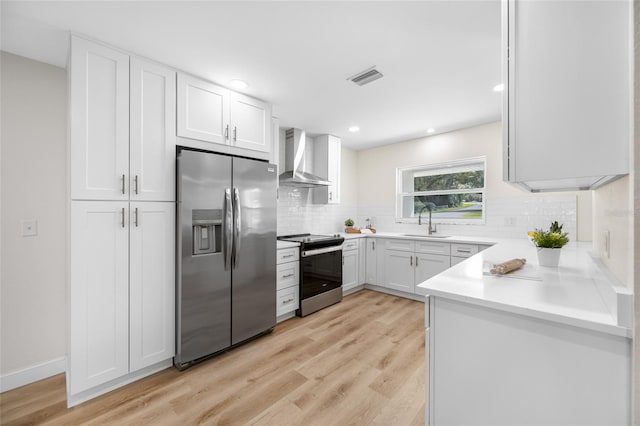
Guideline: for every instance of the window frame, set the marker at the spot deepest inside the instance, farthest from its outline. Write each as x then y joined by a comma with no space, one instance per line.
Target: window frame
443,167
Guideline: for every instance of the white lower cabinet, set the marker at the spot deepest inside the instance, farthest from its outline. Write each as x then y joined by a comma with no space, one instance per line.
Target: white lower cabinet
399,266
99,294
350,268
287,281
362,260
508,369
121,295
427,266
151,283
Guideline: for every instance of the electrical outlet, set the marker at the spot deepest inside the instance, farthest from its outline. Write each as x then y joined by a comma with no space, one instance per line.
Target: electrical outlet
509,221
607,244
29,228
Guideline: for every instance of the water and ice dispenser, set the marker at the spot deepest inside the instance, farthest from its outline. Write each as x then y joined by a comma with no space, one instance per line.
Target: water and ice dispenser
207,231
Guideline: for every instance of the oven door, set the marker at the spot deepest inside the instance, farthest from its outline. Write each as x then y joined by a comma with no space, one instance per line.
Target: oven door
321,271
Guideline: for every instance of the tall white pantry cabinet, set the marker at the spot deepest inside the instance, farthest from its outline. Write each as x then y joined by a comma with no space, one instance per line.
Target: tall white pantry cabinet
122,217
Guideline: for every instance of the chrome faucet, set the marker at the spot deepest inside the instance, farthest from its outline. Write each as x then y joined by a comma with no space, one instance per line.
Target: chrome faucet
430,206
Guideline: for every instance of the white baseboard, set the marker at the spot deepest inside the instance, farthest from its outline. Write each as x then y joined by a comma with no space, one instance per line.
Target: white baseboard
32,374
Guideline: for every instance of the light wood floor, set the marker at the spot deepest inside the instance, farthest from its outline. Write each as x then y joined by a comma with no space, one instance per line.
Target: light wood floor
358,362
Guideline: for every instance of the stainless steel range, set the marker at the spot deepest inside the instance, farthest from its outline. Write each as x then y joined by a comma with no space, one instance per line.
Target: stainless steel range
320,272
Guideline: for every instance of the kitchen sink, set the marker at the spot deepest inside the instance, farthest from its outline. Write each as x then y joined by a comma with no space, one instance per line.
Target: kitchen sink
426,236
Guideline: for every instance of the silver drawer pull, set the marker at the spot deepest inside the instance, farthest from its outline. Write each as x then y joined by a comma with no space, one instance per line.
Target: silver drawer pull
284,302
464,251
287,255
287,276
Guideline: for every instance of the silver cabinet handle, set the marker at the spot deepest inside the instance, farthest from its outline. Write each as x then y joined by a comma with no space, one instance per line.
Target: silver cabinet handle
287,276
226,132
226,234
237,229
373,245
235,133
135,181
287,255
122,217
284,302
135,217
123,178
330,197
464,251
416,260
342,260
411,260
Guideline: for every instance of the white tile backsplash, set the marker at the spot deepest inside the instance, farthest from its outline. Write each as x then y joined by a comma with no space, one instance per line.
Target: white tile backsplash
509,217
505,217
297,215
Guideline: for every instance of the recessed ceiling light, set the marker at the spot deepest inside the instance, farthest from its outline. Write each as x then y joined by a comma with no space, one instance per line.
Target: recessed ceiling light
431,130
238,84
499,87
354,129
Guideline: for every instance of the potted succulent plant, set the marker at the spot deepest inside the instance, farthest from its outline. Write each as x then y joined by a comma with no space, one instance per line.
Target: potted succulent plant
349,224
549,244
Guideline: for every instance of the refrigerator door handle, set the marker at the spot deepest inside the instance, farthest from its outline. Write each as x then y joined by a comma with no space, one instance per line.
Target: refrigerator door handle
228,223
237,229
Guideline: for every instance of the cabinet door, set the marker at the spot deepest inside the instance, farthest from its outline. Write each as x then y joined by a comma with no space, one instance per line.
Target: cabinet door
98,338
152,283
427,266
349,269
398,267
99,122
362,260
333,169
153,132
568,89
203,110
250,123
371,276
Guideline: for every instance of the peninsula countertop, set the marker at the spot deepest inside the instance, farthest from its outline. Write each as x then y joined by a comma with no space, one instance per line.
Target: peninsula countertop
579,292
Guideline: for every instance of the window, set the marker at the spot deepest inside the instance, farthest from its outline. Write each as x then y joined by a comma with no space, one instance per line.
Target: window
453,191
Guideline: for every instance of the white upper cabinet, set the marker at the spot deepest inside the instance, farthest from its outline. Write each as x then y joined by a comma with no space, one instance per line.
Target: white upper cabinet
151,283
566,113
99,122
250,120
122,126
326,161
203,110
226,121
153,132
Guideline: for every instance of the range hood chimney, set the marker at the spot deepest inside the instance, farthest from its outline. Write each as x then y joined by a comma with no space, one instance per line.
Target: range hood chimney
294,163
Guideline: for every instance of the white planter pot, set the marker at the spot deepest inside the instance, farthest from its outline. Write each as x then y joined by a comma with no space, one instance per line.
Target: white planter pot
549,256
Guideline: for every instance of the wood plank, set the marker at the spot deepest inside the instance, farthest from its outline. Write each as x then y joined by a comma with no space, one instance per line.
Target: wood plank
358,362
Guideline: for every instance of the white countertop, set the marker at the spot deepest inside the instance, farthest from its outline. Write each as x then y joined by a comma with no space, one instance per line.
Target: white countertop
286,244
574,293
448,239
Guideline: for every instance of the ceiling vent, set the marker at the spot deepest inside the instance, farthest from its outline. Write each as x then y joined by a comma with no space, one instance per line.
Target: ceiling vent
366,76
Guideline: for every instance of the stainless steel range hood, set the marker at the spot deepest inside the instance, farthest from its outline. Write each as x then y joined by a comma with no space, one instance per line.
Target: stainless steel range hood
294,164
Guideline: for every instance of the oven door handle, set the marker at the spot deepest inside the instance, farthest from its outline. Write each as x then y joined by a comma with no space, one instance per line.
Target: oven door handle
307,253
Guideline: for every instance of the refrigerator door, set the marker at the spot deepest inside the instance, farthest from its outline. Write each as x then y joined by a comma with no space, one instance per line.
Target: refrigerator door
254,256
204,224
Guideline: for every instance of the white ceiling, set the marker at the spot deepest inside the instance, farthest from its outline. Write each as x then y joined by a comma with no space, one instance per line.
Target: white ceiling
440,59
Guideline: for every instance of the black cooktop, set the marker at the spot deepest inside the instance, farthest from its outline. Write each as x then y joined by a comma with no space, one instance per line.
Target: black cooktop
311,241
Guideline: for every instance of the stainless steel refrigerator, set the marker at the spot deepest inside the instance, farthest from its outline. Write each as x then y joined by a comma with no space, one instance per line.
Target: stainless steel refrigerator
226,252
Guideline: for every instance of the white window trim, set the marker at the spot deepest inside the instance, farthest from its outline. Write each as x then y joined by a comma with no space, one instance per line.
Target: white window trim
448,165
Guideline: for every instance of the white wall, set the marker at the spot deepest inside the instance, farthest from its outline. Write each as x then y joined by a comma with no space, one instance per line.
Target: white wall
510,212
33,286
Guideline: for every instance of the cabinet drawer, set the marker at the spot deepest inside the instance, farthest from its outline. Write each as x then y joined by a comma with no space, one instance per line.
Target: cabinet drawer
463,250
350,245
402,245
433,247
286,300
287,275
287,255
